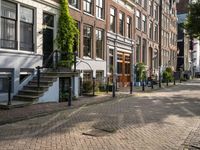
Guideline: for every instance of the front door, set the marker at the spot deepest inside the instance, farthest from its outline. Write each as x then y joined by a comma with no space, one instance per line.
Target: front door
48,24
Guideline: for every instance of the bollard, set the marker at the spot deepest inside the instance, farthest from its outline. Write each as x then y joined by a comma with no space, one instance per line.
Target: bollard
113,90
143,88
151,84
167,83
131,87
93,86
174,81
70,96
9,90
38,76
107,84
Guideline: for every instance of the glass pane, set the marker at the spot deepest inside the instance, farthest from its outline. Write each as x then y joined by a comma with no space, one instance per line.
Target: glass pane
8,10
26,36
26,14
48,20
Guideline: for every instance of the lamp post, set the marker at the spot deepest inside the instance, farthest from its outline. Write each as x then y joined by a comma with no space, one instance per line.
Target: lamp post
160,40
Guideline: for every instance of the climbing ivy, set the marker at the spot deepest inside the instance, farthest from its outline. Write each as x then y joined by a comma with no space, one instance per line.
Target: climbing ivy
67,31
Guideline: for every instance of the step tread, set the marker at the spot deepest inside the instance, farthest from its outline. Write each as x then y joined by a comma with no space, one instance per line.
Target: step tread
26,96
33,91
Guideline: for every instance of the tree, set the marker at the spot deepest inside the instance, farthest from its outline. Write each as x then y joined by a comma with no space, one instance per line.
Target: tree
67,31
192,24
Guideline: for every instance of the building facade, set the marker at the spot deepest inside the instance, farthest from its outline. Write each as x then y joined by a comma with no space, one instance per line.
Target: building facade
91,21
147,33
120,41
27,32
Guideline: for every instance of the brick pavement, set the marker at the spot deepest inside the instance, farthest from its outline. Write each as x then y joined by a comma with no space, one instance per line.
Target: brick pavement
160,120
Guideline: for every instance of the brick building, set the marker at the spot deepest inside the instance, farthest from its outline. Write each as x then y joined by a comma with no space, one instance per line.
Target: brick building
91,20
120,41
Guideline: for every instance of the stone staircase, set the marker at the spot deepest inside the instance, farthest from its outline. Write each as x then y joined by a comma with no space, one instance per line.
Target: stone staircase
31,93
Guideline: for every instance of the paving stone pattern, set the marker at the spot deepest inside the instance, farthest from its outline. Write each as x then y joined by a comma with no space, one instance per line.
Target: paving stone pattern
162,120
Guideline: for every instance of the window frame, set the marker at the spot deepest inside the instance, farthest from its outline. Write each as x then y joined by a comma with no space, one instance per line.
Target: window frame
98,30
90,40
128,26
101,9
121,23
90,4
113,25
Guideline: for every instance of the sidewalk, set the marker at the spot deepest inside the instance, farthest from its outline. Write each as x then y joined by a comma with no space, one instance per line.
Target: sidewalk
37,110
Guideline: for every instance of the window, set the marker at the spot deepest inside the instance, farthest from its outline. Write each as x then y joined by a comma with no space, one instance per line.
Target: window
87,75
8,25
151,30
138,20
139,1
112,19
145,4
121,23
99,75
87,40
156,32
150,8
138,46
129,27
144,50
74,3
144,23
26,29
100,9
119,68
99,43
87,6
111,61
156,11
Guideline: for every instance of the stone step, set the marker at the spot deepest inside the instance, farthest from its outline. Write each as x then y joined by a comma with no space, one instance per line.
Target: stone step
25,98
46,78
45,83
31,92
14,104
35,88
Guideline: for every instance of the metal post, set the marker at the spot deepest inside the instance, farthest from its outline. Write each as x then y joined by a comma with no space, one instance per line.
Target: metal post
180,76
151,83
38,76
81,86
93,86
143,88
131,87
56,59
174,79
167,82
113,88
160,40
75,53
107,85
70,96
9,90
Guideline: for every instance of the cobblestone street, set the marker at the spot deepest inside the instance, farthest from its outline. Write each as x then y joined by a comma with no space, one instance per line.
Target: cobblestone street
164,119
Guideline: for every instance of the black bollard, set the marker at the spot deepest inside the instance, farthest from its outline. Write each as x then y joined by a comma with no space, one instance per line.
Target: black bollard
113,90
70,96
93,86
131,87
151,84
9,90
143,88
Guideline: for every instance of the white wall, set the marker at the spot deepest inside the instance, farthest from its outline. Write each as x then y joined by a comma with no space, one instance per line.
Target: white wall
52,95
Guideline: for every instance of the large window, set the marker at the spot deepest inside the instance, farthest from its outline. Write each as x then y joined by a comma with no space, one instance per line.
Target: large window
138,20
144,23
128,27
26,29
156,32
74,3
99,43
8,25
144,51
112,19
87,40
151,30
100,9
87,6
121,23
151,8
138,47
156,11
